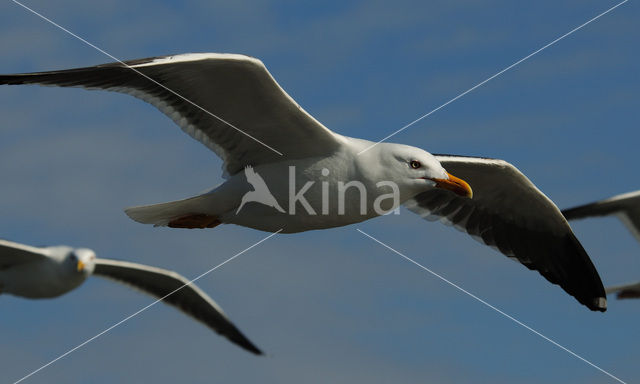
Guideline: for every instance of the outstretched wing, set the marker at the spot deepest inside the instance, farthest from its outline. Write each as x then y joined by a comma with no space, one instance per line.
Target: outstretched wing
229,102
625,206
626,291
508,213
12,254
188,298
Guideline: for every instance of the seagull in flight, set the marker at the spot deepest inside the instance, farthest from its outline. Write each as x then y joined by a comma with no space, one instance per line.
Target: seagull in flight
627,208
37,273
321,179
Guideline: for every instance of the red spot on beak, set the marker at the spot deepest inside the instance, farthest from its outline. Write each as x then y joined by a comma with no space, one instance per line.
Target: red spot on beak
455,185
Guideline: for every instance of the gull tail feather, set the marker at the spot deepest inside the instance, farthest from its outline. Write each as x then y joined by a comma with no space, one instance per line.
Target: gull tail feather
161,215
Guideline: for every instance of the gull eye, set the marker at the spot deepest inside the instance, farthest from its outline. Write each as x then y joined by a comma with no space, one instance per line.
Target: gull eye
415,164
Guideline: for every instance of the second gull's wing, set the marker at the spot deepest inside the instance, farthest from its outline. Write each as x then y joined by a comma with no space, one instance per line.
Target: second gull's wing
190,299
12,254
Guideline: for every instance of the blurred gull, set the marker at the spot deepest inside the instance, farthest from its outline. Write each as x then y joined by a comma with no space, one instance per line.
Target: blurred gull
627,208
47,272
233,105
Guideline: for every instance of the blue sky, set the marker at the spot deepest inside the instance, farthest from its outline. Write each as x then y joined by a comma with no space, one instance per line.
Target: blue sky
326,306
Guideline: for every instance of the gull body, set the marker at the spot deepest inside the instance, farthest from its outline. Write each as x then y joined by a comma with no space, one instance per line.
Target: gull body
323,177
46,272
233,105
52,275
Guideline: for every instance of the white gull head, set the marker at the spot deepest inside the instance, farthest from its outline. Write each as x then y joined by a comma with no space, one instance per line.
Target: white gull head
74,264
81,260
412,169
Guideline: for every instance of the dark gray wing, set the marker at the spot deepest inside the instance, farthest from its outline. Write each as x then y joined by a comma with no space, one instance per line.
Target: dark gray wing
625,206
190,299
626,291
508,213
12,254
233,105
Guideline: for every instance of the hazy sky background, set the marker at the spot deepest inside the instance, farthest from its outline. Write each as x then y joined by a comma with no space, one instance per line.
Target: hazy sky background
326,306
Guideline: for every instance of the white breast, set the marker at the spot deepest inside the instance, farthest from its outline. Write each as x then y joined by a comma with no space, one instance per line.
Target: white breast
42,279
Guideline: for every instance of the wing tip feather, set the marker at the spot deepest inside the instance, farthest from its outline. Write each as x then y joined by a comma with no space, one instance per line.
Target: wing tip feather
600,304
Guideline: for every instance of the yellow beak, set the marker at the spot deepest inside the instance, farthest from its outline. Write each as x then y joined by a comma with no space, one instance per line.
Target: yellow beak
80,266
455,185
